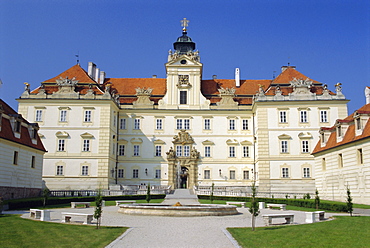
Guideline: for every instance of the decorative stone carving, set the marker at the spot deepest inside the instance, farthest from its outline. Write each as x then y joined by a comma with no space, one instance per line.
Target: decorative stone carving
227,98
143,98
183,137
66,88
338,89
171,154
301,89
278,94
26,93
194,153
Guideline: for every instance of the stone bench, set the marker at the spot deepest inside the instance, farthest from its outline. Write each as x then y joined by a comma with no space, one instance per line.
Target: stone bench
236,203
123,202
87,218
319,215
43,215
281,206
289,218
74,204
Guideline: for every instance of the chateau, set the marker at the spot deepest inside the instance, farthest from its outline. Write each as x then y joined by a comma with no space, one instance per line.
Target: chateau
182,130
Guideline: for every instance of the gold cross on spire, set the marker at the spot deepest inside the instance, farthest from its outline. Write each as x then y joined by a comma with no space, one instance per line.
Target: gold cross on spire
184,24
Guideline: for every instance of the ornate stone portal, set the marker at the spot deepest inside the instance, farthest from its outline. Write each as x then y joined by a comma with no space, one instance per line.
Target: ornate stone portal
182,162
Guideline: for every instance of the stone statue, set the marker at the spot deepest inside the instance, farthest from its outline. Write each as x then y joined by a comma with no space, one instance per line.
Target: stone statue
171,153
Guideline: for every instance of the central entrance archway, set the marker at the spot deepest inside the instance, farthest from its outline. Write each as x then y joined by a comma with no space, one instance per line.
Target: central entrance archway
183,180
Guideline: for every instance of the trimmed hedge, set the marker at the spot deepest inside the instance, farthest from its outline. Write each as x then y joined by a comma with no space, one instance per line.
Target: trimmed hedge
308,203
38,202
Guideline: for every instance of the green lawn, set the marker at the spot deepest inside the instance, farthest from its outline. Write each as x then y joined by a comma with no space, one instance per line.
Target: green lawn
18,232
342,232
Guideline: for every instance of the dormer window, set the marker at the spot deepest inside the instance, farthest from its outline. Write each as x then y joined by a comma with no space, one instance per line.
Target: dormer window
358,123
339,132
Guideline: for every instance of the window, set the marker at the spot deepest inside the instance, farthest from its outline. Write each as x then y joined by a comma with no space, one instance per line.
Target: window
339,131
285,172
232,151
17,127
360,156
231,124
323,116
284,146
186,124
121,150
232,174
186,151
358,124
158,125
137,124
135,173
120,173
33,162
282,117
306,173
114,119
122,124
246,175
305,148
245,124
180,122
340,160
323,164
15,157
207,124
60,170
158,151
183,97
87,117
245,151
63,116
158,174
303,116
136,150
85,170
86,145
207,174
179,151
38,115
61,145
207,151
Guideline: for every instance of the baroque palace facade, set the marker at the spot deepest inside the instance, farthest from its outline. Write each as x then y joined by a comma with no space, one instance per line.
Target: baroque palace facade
182,130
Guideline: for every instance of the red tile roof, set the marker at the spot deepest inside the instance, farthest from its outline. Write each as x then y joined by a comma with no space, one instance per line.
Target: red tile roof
350,135
7,133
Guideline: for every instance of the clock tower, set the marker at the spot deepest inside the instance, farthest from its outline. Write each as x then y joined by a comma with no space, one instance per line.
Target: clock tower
184,75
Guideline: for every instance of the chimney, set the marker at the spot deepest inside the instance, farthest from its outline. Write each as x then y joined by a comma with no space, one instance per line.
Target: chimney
367,95
283,68
97,72
154,76
102,77
237,77
214,77
91,70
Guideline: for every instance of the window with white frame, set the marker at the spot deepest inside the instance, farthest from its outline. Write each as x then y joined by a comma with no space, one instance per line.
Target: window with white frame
158,150
207,174
245,151
232,151
158,124
303,116
232,124
137,124
38,117
121,150
85,170
283,116
86,145
186,151
285,172
122,123
246,175
245,124
87,116
121,173
135,173
17,126
61,145
358,123
186,124
136,150
179,151
183,124
207,124
232,174
60,170
157,173
207,151
323,116
305,147
63,116
306,172
284,146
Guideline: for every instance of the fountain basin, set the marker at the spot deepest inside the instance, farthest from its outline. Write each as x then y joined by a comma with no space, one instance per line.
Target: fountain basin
179,211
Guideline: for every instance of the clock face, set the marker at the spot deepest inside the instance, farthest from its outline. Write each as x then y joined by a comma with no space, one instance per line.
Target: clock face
183,79
183,62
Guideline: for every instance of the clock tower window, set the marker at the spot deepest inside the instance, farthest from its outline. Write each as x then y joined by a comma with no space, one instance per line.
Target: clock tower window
183,97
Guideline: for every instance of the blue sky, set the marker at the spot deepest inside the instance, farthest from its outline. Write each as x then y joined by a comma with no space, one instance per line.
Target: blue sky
328,41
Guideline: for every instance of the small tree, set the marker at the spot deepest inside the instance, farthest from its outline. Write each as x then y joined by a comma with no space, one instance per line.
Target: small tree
212,189
317,199
254,205
98,209
148,196
45,195
349,201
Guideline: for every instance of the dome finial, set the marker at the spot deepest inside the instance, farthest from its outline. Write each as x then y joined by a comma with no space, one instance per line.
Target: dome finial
184,24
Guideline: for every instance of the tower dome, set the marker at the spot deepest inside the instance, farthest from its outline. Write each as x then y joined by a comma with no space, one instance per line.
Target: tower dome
184,44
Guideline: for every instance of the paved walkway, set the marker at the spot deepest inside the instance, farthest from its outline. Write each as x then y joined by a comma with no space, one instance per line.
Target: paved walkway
179,232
